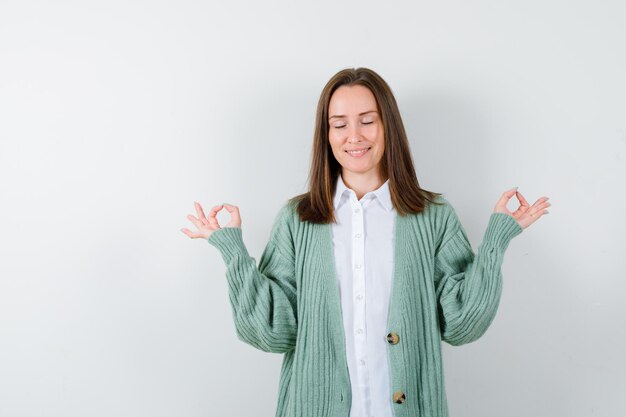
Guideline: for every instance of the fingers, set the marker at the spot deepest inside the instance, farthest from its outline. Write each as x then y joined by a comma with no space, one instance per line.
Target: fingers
533,213
211,224
506,196
504,199
539,208
541,200
201,222
511,192
523,208
522,200
235,217
191,234
196,222
200,212
525,214
213,215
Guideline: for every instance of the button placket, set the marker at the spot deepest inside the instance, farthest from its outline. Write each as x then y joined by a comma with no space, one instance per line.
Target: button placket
359,290
375,277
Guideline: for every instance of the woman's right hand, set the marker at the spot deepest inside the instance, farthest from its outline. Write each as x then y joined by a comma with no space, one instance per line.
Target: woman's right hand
207,226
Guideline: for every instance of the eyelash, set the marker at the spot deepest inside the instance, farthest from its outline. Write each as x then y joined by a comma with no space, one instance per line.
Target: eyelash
340,127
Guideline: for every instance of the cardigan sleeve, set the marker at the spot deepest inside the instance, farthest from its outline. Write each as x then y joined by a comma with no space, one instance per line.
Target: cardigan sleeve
263,298
469,285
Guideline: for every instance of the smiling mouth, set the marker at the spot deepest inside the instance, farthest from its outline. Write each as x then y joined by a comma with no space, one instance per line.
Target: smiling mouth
358,153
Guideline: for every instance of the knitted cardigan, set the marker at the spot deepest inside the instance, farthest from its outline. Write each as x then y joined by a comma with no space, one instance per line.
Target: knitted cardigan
290,304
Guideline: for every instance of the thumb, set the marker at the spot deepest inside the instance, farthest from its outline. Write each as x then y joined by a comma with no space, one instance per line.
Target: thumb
235,217
504,199
511,192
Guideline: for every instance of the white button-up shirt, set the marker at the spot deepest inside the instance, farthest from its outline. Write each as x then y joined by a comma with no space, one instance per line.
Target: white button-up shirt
363,246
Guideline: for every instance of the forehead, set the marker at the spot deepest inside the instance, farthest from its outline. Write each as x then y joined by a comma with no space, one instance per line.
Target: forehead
354,98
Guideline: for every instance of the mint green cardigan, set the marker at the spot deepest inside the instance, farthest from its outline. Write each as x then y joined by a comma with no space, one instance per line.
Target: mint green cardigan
290,304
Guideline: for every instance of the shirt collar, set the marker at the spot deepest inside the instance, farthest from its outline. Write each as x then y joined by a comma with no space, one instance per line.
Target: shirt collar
381,193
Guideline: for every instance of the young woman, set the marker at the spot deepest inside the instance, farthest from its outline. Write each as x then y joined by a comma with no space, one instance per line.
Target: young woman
366,273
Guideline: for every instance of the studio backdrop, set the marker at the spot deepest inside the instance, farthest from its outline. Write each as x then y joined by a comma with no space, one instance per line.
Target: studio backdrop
116,116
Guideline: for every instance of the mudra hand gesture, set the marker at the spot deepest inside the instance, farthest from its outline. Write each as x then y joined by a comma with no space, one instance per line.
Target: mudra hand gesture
525,214
207,226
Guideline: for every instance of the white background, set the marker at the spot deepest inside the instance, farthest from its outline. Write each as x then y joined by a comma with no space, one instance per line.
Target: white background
115,116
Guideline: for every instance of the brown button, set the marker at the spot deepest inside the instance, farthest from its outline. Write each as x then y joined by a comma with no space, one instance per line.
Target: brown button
393,338
399,397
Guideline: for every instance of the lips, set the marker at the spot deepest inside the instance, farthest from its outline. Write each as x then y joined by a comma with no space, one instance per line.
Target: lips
357,153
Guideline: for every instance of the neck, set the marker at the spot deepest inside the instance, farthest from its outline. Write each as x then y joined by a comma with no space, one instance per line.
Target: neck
362,184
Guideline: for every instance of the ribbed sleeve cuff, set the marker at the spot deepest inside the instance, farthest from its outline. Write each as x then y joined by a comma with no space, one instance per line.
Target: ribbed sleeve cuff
502,227
229,241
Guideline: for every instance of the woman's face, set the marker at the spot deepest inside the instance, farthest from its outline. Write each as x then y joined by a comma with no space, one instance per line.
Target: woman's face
355,125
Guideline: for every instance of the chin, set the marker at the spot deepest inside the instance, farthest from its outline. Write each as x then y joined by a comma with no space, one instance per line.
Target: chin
358,170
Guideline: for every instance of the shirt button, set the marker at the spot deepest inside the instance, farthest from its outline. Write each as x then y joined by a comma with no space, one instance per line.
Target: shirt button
359,297
359,331
357,266
357,235
357,210
362,362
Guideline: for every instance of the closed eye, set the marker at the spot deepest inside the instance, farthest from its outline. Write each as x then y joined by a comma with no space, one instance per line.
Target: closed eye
342,126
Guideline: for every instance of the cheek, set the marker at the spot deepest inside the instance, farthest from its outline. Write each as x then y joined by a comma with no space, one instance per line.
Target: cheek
379,132
373,132
334,146
335,140
380,136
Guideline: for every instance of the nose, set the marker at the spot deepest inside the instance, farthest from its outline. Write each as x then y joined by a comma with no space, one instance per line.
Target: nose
354,134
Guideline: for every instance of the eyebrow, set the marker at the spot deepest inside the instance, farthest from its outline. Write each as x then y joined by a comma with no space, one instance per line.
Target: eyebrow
360,114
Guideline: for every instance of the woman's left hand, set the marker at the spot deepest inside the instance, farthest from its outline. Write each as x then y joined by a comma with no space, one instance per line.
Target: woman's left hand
525,214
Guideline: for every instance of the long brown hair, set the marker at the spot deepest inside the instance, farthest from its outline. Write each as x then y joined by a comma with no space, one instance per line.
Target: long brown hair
407,196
